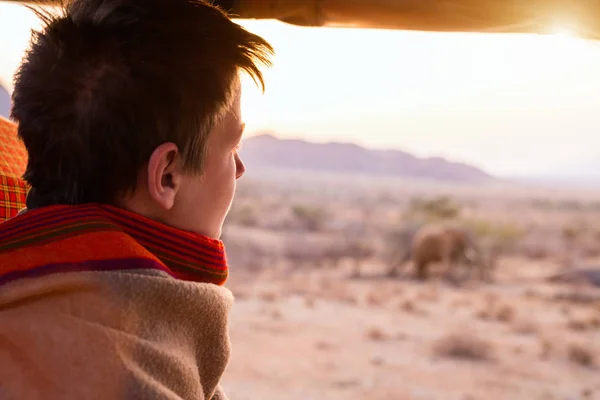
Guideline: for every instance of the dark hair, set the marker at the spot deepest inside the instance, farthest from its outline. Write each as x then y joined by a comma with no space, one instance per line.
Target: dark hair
107,81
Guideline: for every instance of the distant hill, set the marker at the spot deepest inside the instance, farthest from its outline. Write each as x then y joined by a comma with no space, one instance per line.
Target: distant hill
267,151
4,102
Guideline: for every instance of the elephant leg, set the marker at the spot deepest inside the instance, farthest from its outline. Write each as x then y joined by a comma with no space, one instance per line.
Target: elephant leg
422,272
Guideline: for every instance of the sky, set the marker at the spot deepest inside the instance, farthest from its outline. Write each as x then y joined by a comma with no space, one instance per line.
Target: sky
514,105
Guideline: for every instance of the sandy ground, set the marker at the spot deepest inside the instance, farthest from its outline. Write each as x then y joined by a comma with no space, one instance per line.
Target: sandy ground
319,334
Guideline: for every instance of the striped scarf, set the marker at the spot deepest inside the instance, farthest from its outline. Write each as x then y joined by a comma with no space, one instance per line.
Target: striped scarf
94,237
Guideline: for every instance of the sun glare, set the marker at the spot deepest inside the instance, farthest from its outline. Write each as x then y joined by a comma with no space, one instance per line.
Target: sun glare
562,31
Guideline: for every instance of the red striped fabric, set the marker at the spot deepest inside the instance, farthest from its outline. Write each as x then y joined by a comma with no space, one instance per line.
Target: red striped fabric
87,235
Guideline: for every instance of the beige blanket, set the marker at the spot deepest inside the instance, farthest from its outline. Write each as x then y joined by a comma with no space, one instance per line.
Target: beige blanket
112,335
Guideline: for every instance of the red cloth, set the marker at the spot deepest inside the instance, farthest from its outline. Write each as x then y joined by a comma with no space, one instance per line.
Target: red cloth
95,237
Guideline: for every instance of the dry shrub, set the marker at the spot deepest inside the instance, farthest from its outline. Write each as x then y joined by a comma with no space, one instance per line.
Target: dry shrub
377,334
323,345
350,299
268,297
526,327
577,325
490,299
430,294
483,314
377,360
309,301
583,324
342,294
460,302
408,306
374,298
580,354
577,297
505,313
546,348
531,294
326,285
398,290
536,248
463,346
276,315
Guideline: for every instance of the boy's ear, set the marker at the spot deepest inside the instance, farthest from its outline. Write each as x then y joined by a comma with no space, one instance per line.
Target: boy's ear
164,174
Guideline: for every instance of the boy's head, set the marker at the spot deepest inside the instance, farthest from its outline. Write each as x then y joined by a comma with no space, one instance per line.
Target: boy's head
137,103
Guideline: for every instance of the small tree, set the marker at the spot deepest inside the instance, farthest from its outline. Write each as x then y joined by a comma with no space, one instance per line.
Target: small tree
436,209
311,217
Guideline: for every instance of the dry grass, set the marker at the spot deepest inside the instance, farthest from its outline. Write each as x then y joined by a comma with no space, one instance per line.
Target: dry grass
463,346
581,354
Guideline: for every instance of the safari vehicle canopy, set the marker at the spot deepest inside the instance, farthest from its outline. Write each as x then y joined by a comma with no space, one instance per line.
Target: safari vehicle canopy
581,17
510,16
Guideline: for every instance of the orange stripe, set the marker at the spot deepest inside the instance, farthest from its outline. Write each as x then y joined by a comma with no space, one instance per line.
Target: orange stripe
73,250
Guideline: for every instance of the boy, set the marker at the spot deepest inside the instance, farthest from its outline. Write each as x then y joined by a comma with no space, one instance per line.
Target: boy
110,282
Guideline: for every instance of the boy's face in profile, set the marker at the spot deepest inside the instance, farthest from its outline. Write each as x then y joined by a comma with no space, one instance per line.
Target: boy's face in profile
190,201
203,201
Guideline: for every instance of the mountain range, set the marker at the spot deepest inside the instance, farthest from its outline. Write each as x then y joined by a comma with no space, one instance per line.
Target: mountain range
4,102
268,151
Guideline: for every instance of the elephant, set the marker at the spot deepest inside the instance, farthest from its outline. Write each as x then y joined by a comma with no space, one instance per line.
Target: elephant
442,243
